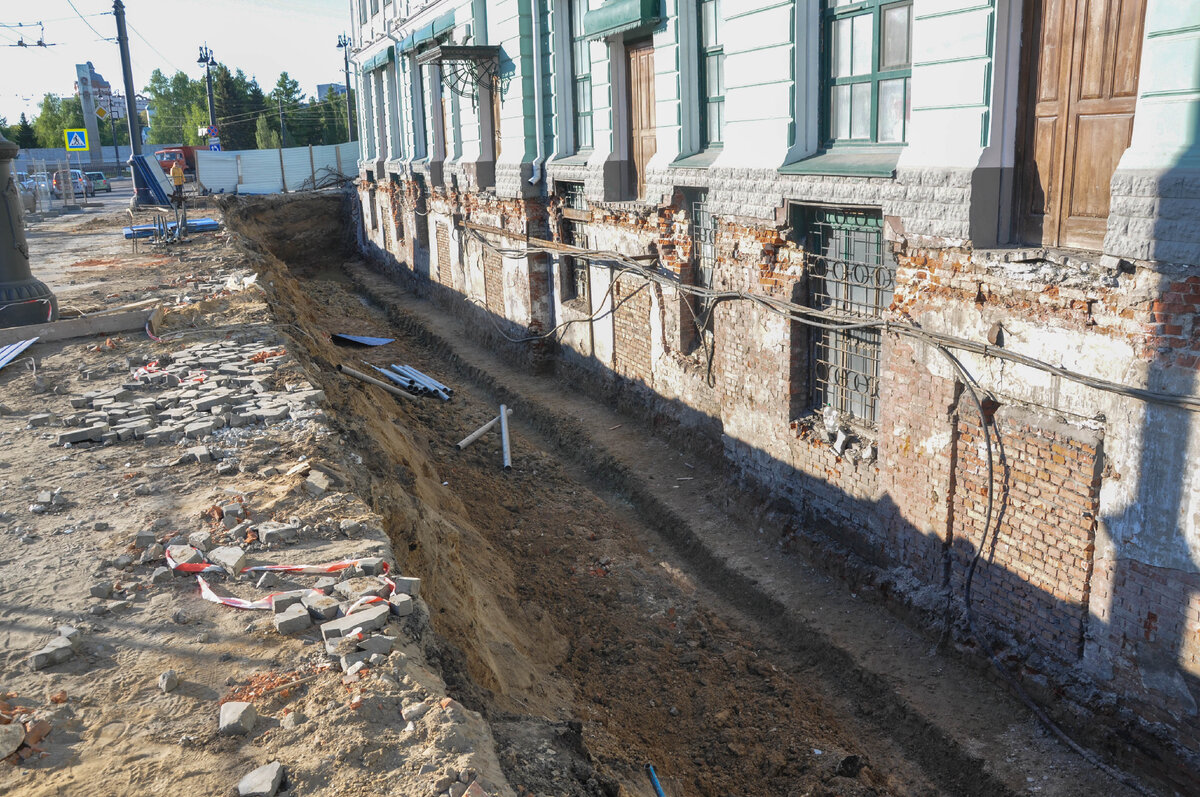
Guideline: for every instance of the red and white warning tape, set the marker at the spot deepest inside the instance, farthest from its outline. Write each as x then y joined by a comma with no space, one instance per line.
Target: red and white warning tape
309,570
193,567
266,602
237,603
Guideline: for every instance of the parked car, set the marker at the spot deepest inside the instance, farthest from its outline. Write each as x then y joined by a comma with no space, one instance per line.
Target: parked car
80,185
39,182
99,182
28,197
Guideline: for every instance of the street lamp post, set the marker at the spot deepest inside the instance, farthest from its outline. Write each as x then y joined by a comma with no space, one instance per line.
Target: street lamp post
344,45
208,62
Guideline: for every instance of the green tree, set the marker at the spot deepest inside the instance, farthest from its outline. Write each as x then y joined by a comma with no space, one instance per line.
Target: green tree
174,100
264,136
56,115
23,134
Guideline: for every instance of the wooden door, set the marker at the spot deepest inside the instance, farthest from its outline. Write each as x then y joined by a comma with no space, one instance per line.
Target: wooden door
641,117
1081,76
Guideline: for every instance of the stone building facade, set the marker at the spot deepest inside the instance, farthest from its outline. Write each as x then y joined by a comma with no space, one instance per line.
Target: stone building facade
989,207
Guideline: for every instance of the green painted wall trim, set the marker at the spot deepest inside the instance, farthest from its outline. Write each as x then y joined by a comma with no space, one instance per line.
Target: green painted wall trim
848,162
618,16
380,60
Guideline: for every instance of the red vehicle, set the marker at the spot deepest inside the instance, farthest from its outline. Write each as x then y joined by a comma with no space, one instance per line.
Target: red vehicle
185,156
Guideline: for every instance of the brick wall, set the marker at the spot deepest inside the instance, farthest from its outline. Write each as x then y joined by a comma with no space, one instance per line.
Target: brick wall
493,282
445,273
910,492
916,460
631,330
1143,629
1034,575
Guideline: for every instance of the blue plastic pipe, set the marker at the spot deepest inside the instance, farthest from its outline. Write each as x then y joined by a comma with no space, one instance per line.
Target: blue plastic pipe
654,780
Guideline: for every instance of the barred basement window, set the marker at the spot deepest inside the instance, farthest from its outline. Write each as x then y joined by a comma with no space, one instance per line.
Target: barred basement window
850,274
704,254
574,272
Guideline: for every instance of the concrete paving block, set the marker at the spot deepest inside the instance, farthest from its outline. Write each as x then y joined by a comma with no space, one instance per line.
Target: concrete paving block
322,607
371,566
369,618
317,484
200,539
184,554
285,600
74,436
201,453
71,634
56,651
355,588
230,557
401,605
377,643
262,782
406,585
293,620
271,531
237,719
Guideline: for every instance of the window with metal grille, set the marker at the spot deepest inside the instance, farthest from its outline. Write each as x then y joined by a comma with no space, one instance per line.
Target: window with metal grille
574,271
849,274
712,73
867,66
572,194
704,256
581,71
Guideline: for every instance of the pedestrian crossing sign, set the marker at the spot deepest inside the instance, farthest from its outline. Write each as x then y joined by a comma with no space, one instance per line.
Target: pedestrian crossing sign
77,140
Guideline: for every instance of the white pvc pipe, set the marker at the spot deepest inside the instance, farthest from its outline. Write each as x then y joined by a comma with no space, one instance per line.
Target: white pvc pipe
480,432
370,380
538,108
504,437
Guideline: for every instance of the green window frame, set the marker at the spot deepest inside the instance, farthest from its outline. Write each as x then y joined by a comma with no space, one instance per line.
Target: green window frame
712,74
581,77
867,71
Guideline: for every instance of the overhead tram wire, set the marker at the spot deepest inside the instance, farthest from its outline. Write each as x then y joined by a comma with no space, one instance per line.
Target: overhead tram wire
166,60
85,22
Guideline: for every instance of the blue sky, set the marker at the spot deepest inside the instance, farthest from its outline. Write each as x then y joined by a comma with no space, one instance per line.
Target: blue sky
262,37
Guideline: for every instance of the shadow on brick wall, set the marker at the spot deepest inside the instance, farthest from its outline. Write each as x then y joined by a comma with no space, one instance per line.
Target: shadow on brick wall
1041,624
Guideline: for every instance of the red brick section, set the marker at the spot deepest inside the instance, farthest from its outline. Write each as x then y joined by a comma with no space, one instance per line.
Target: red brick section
916,459
445,274
631,330
1147,617
493,282
1035,573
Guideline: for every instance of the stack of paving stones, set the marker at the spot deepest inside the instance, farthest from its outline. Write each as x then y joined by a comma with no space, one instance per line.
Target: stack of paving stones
194,393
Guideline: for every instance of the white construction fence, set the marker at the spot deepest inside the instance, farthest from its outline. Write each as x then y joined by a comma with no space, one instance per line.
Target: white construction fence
274,171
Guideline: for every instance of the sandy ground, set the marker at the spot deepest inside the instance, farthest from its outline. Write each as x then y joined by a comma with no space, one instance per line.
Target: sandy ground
112,730
579,616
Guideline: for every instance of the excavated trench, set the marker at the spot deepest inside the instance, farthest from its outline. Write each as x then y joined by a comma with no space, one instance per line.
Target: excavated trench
574,606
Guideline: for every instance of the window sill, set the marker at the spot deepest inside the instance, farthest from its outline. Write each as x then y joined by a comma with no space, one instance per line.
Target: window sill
849,162
699,160
580,158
